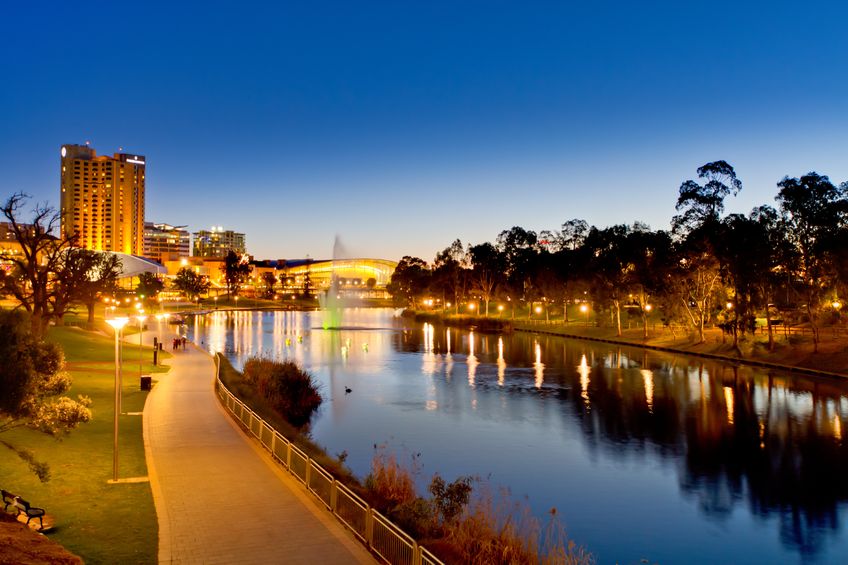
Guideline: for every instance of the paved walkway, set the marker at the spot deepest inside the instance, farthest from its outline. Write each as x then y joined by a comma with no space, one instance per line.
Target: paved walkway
219,497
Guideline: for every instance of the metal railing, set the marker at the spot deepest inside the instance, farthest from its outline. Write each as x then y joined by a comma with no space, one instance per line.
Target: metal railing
386,540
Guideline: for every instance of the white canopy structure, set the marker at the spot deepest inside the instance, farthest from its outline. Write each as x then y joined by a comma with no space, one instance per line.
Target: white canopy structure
133,265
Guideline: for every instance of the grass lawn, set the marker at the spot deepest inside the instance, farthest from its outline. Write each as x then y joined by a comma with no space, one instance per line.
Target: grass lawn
100,522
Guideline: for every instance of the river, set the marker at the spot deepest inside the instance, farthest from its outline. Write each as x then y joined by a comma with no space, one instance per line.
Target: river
645,455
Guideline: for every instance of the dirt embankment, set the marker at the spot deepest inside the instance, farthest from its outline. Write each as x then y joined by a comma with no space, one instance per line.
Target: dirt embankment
19,545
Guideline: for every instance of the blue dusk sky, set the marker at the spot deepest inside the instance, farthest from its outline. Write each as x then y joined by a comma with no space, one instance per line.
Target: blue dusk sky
402,125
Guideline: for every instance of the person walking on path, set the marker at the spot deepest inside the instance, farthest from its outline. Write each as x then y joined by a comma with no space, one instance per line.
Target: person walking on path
219,497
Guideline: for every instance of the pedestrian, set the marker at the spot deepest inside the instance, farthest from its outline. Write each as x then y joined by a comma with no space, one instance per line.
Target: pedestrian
184,342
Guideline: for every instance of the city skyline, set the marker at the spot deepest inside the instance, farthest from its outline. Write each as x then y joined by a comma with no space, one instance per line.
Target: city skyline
401,128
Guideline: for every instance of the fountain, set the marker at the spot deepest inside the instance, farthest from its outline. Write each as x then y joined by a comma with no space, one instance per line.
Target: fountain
331,302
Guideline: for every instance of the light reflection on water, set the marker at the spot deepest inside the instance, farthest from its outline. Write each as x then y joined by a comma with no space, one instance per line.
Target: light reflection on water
645,454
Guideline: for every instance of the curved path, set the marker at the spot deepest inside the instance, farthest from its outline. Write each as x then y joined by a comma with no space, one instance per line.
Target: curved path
219,497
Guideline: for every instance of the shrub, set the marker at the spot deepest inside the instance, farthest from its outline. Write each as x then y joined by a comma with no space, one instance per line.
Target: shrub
290,390
462,526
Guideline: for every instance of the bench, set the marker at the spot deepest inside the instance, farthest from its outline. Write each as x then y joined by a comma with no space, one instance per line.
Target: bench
23,506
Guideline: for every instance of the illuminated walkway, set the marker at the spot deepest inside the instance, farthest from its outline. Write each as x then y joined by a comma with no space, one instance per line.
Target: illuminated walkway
218,497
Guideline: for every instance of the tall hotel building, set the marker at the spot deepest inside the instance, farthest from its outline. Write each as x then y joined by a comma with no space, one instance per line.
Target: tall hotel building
102,200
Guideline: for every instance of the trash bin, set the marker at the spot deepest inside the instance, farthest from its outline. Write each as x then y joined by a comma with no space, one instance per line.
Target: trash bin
146,382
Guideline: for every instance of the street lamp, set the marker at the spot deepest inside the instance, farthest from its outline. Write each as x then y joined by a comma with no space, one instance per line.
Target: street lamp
585,309
117,324
140,318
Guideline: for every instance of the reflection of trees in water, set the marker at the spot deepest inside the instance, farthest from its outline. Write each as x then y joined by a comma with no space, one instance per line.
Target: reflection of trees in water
772,442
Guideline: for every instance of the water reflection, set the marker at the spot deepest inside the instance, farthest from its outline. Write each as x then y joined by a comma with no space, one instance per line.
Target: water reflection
736,439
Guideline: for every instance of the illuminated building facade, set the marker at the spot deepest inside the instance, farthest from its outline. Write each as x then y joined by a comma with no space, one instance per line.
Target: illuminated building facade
216,242
9,246
365,278
164,242
102,199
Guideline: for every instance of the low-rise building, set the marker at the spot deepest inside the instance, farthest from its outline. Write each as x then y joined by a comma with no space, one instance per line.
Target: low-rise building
166,242
216,242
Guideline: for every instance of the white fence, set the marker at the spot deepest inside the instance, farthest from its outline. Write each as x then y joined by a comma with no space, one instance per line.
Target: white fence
377,532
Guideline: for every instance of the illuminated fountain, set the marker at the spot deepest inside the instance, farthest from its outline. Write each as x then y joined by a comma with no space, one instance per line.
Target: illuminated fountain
331,302
332,305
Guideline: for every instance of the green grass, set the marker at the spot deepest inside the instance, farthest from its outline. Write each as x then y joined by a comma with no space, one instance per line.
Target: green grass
102,523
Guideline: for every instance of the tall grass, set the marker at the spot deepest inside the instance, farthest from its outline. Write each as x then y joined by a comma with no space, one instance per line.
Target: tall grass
461,524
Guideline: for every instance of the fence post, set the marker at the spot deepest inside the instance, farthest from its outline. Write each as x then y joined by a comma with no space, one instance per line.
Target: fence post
334,496
369,527
416,553
273,444
308,470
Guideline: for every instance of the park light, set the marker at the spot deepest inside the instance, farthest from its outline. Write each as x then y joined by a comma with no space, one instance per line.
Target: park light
448,304
836,305
500,307
729,305
117,324
471,306
648,307
538,309
584,308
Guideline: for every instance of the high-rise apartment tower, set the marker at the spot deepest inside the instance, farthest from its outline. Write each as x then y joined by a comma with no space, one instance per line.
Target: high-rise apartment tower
102,199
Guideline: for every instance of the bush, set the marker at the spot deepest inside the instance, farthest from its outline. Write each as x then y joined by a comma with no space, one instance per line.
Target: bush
290,390
463,526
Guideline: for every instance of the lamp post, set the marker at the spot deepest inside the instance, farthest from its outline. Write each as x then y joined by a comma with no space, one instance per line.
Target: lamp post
140,318
117,324
585,309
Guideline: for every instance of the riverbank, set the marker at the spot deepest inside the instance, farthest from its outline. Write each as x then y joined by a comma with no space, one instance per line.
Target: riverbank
791,351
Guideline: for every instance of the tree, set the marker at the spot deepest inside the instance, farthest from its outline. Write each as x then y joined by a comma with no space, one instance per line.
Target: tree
101,272
487,266
744,251
449,272
236,269
573,234
703,204
32,382
651,261
610,266
149,285
697,229
410,279
269,280
190,283
814,211
34,271
520,250
696,277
